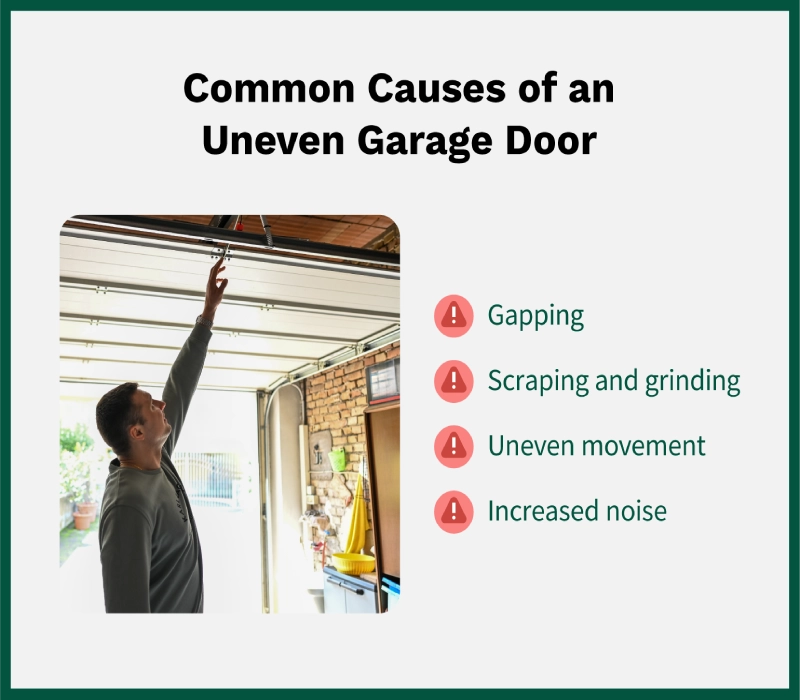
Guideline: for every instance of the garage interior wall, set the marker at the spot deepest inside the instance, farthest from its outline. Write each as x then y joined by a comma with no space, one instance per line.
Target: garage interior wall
335,401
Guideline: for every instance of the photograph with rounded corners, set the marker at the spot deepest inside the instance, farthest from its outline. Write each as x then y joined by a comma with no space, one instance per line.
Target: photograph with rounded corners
229,414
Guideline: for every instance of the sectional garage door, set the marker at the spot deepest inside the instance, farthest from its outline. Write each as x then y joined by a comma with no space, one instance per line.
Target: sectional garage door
128,301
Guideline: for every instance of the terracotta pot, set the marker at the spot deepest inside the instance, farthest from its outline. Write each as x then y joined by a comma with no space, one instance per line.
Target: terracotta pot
82,520
88,509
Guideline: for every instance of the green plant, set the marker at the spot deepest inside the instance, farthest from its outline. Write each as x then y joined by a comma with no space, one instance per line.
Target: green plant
75,475
77,459
76,439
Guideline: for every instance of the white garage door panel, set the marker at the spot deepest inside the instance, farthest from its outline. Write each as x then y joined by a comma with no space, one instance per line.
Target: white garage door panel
118,373
95,260
252,257
301,350
165,357
231,315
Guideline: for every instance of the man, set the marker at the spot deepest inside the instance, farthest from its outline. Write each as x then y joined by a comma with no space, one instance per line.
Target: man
149,546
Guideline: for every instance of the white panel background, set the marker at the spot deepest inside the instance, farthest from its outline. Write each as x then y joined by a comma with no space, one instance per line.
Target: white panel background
672,235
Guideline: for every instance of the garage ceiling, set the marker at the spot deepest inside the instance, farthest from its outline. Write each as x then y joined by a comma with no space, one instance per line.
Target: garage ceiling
129,297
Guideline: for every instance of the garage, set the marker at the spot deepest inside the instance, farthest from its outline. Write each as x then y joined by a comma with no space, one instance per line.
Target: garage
312,307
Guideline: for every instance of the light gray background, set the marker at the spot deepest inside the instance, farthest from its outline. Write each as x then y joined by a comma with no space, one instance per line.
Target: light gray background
672,236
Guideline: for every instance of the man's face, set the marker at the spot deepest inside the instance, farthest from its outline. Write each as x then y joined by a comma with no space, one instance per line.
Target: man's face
154,423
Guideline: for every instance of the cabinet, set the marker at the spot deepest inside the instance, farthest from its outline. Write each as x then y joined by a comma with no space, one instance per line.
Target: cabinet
348,594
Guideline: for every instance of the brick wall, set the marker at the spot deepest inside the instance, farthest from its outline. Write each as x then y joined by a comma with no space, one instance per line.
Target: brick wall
388,242
335,401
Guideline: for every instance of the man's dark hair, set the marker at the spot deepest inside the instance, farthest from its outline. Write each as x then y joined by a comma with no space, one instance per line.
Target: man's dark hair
115,413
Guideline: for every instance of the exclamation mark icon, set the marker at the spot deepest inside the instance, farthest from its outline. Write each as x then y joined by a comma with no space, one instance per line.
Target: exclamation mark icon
451,446
453,381
451,511
453,316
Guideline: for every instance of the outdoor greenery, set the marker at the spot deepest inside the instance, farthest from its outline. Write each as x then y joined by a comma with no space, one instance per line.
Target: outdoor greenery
76,439
78,460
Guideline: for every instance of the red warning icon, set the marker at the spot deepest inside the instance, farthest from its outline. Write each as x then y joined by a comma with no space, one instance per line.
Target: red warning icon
454,382
454,448
453,316
454,513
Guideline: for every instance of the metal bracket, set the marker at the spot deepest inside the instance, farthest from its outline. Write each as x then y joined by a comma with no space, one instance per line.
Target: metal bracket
217,251
101,290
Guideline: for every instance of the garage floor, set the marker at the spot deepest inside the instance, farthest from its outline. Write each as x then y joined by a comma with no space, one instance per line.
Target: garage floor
231,566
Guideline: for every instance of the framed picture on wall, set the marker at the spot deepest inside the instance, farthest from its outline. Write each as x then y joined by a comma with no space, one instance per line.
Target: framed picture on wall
383,382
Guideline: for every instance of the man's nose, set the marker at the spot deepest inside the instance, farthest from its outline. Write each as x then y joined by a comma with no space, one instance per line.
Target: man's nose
161,405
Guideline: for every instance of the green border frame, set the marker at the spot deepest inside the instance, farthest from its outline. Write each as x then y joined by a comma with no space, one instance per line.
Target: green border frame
790,6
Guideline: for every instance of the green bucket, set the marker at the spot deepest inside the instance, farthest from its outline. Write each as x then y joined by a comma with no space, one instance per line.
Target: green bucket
337,458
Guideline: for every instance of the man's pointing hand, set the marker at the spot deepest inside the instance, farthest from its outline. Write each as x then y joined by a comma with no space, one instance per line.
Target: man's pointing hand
214,289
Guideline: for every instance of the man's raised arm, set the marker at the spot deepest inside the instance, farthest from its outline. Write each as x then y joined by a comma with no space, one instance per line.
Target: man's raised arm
185,373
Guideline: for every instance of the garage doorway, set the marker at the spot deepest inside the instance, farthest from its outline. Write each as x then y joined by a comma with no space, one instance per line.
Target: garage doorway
217,457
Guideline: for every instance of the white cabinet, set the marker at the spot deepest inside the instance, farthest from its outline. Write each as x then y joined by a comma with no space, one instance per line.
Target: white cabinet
348,594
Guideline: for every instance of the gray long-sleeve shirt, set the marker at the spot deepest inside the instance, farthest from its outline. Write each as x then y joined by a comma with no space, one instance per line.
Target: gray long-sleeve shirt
149,546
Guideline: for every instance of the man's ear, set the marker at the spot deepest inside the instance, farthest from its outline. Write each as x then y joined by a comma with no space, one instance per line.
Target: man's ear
136,432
